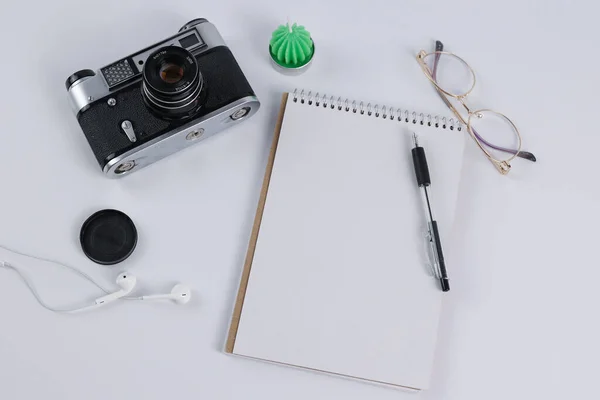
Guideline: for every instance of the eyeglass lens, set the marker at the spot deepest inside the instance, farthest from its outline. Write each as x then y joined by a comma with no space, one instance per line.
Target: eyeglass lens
495,133
451,74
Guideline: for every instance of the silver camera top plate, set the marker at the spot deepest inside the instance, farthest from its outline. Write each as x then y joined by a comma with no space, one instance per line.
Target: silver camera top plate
196,38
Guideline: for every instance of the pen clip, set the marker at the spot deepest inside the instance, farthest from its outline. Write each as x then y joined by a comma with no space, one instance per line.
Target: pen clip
432,254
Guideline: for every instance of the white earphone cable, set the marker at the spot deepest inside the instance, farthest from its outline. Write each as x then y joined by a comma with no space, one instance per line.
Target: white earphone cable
35,293
72,269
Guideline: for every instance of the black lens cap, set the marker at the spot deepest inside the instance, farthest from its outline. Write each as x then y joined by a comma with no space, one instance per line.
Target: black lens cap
108,237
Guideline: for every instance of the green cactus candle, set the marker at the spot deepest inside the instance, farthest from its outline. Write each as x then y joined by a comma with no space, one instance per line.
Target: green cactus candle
291,47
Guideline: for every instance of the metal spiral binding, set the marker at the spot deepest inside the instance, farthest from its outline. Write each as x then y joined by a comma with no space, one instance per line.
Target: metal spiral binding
384,112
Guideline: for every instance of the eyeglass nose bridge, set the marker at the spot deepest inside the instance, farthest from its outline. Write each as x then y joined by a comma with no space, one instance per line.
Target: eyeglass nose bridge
461,99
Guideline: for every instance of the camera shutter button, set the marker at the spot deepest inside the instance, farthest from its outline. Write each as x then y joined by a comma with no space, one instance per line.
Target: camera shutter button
128,129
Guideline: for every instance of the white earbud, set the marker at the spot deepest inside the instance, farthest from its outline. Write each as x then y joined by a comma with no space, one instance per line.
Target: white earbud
180,294
126,282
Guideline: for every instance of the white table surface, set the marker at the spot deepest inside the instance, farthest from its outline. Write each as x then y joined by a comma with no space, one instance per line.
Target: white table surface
521,319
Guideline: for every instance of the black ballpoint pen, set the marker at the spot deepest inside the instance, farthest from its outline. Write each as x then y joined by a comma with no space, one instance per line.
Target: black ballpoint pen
424,180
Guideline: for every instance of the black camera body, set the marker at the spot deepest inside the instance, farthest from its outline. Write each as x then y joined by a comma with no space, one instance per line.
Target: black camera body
160,100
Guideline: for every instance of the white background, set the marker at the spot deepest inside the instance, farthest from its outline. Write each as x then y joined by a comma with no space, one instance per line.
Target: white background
522,317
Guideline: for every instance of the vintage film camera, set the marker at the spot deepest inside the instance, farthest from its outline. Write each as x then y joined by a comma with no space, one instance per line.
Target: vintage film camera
160,100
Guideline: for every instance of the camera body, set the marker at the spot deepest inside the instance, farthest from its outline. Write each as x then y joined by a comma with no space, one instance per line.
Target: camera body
160,100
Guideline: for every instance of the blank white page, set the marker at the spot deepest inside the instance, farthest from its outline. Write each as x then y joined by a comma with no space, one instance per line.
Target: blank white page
339,281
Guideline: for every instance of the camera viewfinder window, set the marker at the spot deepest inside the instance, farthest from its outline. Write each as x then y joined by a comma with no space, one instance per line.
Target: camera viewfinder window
189,41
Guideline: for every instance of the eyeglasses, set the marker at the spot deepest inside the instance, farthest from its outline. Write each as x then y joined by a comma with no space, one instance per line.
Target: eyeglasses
495,134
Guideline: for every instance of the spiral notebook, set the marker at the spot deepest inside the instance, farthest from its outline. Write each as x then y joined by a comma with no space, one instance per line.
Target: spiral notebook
336,277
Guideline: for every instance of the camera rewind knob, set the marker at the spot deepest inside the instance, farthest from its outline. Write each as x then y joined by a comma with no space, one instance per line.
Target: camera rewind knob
84,73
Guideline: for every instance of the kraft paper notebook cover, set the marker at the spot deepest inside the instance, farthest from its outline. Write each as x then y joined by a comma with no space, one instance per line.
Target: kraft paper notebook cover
336,278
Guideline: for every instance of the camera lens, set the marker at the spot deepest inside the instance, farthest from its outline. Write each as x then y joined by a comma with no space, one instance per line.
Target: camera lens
172,83
171,73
